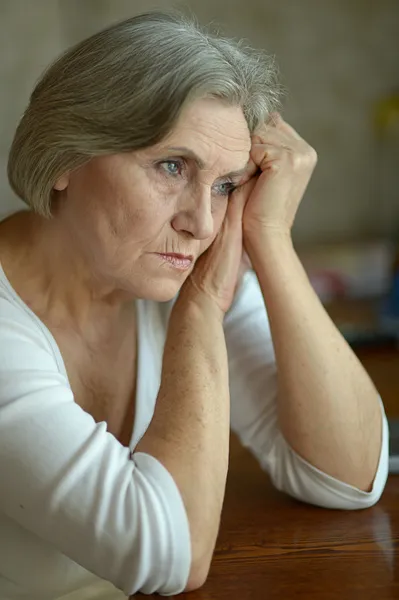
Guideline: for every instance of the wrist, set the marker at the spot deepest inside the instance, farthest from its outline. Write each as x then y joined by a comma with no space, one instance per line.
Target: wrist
198,305
262,238
271,254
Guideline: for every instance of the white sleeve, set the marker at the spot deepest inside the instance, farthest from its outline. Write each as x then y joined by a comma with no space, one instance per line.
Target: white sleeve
70,482
253,390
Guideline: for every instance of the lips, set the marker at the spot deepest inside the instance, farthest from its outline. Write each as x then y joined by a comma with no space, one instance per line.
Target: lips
189,257
181,262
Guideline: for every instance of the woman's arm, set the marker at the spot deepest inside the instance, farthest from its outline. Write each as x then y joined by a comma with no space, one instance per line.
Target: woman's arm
328,407
254,410
189,433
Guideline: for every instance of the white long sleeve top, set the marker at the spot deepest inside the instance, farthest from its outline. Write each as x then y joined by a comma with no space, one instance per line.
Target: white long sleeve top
82,515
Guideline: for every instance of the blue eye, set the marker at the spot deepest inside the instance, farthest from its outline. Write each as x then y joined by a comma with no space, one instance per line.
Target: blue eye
172,167
226,188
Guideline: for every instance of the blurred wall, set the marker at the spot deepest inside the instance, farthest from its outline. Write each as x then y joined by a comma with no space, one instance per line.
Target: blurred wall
336,57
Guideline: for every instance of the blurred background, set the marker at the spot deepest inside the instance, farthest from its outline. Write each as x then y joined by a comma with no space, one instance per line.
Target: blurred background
339,61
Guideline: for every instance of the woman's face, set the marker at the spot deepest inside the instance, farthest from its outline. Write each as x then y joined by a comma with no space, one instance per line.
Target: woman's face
127,211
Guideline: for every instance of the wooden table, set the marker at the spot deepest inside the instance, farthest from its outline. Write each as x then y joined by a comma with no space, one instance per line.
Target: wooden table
271,547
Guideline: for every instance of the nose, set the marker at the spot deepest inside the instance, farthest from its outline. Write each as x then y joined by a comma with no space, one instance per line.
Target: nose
195,215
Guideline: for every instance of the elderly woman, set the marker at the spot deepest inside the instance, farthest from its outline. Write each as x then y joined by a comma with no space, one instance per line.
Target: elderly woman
150,154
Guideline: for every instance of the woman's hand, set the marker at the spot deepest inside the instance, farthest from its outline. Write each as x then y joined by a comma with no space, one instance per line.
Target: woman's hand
216,273
284,163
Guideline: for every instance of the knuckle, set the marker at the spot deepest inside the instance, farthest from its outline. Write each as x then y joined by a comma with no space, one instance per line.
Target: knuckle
305,158
274,167
311,155
297,161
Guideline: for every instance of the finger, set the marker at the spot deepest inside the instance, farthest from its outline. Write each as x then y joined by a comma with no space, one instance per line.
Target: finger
277,125
243,192
250,171
264,154
235,209
276,142
271,135
245,261
273,119
268,133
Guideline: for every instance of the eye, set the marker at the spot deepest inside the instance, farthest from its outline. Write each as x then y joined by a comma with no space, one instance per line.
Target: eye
172,167
226,188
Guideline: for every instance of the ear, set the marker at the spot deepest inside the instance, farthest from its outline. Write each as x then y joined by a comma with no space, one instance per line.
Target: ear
62,182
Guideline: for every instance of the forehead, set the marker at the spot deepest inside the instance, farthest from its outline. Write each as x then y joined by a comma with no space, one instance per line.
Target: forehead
216,132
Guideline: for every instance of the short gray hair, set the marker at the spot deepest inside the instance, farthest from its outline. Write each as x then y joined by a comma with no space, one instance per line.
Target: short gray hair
123,88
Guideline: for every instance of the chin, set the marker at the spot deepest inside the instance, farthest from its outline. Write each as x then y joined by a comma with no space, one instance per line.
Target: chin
158,290
161,296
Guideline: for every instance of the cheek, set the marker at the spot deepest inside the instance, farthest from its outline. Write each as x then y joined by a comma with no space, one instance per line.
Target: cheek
135,215
87,199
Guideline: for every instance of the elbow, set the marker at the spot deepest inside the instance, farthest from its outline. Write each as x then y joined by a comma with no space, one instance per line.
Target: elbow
199,570
360,505
197,577
367,500
203,535
353,499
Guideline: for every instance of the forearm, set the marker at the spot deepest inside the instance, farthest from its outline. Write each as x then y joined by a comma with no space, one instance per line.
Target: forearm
189,433
328,406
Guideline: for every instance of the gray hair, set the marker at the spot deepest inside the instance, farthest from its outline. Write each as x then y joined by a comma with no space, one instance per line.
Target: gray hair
123,88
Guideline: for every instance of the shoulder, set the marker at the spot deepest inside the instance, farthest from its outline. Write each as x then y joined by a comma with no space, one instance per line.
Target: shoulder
23,340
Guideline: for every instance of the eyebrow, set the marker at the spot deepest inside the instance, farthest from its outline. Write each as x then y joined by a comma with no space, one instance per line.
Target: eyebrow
201,164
